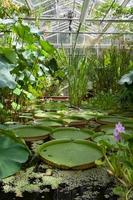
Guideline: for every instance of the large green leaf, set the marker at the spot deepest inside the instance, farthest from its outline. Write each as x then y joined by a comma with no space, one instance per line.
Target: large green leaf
6,78
52,115
113,119
71,133
127,78
76,154
50,122
12,155
23,31
46,46
79,116
31,133
9,53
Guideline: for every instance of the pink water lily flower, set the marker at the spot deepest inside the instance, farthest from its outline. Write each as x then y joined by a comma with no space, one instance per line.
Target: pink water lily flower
119,128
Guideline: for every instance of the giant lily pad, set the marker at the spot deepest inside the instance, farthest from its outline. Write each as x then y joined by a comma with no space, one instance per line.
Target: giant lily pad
13,154
26,115
75,121
78,116
73,154
78,123
113,119
50,122
84,115
31,133
71,133
47,115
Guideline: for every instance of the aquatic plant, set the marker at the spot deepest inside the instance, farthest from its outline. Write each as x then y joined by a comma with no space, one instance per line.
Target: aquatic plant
118,130
120,161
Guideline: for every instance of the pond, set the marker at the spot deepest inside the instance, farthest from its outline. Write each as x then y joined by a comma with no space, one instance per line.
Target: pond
38,180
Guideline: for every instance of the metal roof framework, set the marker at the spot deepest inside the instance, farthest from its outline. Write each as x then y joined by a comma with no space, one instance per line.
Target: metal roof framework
72,21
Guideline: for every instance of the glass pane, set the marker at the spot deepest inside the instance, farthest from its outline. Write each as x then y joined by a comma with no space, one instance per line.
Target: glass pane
52,39
64,38
80,38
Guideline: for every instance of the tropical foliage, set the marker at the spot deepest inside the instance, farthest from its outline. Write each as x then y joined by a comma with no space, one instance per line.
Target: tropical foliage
13,153
120,162
31,68
22,60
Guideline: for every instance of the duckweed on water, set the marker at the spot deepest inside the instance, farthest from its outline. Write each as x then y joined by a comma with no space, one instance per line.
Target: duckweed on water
31,181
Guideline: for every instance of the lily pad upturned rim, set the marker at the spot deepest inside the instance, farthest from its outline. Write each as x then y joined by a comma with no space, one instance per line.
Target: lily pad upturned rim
78,123
63,166
54,134
33,138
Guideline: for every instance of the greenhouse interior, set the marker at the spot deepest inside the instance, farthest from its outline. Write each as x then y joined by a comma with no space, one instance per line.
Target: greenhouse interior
66,99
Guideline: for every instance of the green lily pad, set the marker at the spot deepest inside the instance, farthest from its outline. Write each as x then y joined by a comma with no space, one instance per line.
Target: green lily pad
50,122
128,124
47,115
25,117
72,119
127,113
114,119
75,117
79,116
13,153
69,120
78,123
26,114
70,133
73,154
31,133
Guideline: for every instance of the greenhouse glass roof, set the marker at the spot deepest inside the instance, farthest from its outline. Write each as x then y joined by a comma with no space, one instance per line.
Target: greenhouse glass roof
94,20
